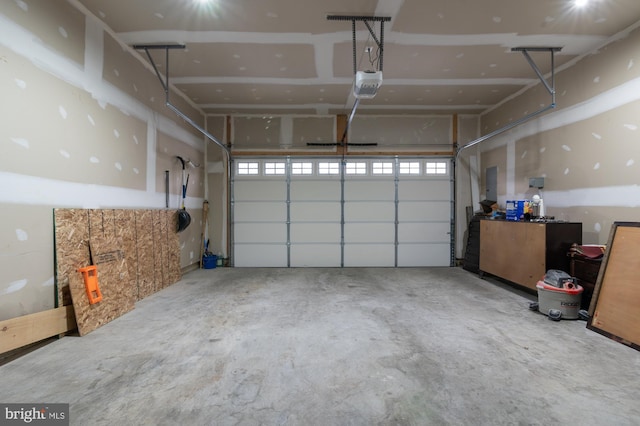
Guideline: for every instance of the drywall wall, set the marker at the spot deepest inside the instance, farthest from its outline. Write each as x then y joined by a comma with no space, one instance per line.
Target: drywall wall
217,229
84,126
281,132
217,185
467,179
587,149
401,133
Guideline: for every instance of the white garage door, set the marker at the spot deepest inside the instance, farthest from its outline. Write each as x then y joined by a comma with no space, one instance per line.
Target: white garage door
324,212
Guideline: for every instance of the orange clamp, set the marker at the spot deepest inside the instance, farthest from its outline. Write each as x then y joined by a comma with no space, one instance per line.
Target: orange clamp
90,274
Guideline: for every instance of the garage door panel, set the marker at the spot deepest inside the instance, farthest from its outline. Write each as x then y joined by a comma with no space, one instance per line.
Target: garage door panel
255,190
424,232
369,215
358,255
315,222
260,233
427,189
309,190
370,189
369,233
261,255
315,232
315,211
315,255
369,211
424,211
259,211
423,255
306,229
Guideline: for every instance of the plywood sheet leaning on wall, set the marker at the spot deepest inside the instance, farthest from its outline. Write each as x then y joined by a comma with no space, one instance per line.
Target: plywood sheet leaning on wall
164,249
114,283
125,230
175,272
148,240
157,251
72,248
108,223
144,245
102,223
616,297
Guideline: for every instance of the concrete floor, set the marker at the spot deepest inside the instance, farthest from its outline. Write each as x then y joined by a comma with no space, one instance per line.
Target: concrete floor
334,347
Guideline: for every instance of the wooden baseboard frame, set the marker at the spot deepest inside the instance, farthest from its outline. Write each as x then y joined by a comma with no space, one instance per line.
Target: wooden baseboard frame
190,268
22,331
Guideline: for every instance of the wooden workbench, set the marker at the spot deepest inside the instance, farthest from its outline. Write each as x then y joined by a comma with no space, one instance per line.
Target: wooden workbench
522,252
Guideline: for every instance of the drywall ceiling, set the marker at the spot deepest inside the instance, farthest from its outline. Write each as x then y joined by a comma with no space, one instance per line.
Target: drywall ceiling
284,56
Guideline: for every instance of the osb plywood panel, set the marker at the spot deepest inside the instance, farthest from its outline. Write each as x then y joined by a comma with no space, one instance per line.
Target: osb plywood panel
114,283
102,223
109,223
617,293
144,246
148,240
157,251
125,230
164,249
175,272
96,226
72,247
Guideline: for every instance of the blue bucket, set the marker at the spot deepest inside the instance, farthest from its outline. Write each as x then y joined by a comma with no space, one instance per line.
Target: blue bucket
209,261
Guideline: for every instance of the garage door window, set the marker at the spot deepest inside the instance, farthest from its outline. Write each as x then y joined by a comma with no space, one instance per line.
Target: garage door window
328,168
382,168
409,168
248,168
356,168
436,168
302,168
271,169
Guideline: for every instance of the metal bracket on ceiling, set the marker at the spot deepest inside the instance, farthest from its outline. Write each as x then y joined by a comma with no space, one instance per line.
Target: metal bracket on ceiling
379,43
366,20
165,86
166,48
551,88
